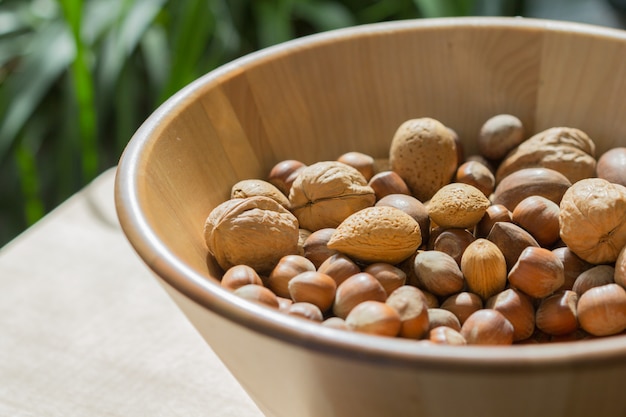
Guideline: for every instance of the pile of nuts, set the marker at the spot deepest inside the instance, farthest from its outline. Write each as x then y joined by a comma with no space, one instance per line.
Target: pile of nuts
524,242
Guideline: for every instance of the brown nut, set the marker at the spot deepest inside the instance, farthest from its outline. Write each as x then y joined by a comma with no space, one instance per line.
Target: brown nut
356,289
284,303
316,248
440,317
520,184
256,187
478,175
305,310
573,266
438,273
487,327
620,268
462,305
340,267
612,166
512,240
457,205
240,275
593,277
518,308
411,206
361,162
423,152
410,304
313,287
258,294
556,315
254,231
500,134
288,267
484,268
377,234
388,182
335,323
283,174
303,235
566,150
390,276
453,242
593,220
494,213
444,335
326,193
374,317
539,217
602,310
538,272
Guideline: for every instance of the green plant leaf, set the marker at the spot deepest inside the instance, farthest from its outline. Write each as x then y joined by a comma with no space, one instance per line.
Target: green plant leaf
324,15
50,54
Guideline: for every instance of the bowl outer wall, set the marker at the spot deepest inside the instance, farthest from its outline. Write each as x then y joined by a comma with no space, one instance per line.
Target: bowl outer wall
190,282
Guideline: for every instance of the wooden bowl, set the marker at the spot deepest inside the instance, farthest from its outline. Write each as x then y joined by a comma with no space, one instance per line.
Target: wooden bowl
317,97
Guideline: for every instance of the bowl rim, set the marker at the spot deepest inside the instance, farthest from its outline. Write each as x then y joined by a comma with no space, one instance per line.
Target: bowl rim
296,331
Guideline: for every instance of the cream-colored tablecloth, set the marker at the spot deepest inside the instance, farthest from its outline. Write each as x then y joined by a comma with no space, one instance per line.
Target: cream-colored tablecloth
86,330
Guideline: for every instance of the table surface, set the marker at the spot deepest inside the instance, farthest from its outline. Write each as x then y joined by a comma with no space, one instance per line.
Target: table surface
86,330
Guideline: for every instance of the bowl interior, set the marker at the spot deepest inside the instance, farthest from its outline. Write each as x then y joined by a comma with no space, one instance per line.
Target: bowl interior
315,98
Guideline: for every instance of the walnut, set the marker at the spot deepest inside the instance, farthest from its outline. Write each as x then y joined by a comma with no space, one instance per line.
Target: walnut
255,231
593,220
566,150
253,187
327,192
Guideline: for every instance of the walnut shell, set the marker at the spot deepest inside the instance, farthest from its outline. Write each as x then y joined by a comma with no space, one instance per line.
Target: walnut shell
566,150
327,192
377,234
253,187
593,219
255,231
424,153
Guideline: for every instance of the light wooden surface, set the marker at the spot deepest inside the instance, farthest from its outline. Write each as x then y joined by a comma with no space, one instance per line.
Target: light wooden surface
85,329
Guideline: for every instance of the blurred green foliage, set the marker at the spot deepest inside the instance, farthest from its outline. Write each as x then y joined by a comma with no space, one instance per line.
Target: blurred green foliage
77,77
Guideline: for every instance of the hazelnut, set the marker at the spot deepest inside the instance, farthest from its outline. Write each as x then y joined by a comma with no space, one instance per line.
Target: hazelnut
484,268
476,174
538,272
305,310
440,317
539,217
258,294
374,317
316,248
335,323
340,267
410,304
462,305
284,173
487,327
356,289
313,287
620,268
453,242
361,162
494,213
390,276
388,182
287,267
594,277
556,314
611,166
240,275
444,335
438,273
518,308
573,266
602,310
